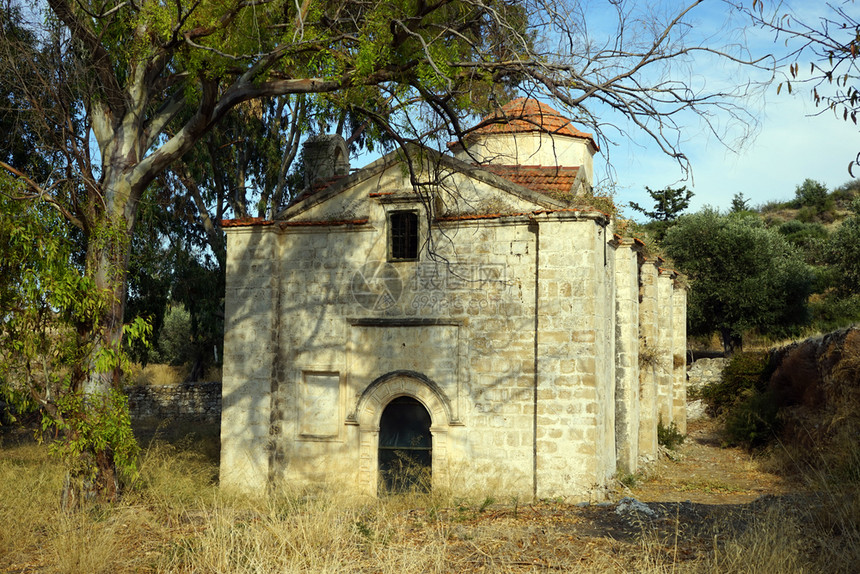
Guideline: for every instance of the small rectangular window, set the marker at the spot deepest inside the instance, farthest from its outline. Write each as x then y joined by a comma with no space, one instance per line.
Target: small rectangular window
403,235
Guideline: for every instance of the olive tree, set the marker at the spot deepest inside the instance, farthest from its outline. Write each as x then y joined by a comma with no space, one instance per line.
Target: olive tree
843,253
743,275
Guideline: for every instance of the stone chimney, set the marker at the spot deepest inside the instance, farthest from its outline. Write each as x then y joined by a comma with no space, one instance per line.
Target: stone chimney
325,157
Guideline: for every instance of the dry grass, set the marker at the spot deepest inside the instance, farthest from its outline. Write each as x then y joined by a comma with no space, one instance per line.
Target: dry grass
176,520
167,374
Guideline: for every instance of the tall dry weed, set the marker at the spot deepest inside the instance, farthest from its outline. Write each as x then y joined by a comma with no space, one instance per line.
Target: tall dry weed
770,543
80,542
177,520
30,486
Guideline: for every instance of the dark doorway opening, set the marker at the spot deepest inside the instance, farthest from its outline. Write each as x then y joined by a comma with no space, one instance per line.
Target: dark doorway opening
405,446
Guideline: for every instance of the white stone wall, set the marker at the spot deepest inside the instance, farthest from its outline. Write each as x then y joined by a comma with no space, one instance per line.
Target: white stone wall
535,342
679,358
665,345
531,148
250,342
575,381
627,357
467,327
648,361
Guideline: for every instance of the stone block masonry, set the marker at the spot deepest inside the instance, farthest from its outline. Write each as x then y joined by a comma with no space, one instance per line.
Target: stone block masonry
185,401
505,341
704,372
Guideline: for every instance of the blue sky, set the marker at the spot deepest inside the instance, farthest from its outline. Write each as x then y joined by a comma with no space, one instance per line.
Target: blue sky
792,144
793,140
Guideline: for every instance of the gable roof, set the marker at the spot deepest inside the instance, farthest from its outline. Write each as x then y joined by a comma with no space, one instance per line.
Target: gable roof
331,188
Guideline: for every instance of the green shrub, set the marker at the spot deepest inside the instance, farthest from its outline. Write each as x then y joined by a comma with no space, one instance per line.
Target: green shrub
743,373
742,397
810,238
811,194
833,312
846,193
752,422
669,436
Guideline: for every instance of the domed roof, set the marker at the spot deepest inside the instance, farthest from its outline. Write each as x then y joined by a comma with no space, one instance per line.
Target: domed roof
528,115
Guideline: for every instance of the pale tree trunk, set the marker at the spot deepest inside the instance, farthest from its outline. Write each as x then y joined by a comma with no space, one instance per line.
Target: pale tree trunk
108,251
110,216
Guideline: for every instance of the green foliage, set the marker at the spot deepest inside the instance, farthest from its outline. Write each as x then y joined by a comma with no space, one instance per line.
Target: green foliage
174,345
47,301
669,436
832,311
743,276
41,297
630,480
91,424
740,203
802,234
744,372
846,193
752,422
814,202
843,254
669,203
743,399
811,193
809,238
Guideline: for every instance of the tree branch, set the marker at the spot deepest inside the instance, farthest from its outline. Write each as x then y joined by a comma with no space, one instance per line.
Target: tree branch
42,194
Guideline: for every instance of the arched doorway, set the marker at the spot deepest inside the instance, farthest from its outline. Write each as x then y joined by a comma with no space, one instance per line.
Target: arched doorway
405,446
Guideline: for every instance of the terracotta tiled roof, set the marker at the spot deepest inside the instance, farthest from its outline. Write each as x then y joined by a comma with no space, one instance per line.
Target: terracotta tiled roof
538,178
528,115
246,222
260,221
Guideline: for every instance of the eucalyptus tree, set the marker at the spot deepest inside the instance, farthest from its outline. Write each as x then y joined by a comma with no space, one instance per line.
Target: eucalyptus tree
118,92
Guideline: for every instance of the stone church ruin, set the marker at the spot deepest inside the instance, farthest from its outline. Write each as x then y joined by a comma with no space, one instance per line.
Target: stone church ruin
486,330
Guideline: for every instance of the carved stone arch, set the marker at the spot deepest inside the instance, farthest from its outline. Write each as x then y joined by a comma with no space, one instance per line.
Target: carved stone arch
368,412
397,384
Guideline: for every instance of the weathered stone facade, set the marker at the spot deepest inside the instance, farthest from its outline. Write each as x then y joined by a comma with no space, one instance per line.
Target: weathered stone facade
519,325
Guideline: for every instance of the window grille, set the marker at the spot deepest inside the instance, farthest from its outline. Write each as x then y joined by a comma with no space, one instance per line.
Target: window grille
403,235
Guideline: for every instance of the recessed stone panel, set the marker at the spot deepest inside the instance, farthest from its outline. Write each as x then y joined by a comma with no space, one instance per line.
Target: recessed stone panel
319,405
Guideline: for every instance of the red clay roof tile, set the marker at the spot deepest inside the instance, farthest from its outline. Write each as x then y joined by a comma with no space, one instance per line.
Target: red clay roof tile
528,115
246,222
542,179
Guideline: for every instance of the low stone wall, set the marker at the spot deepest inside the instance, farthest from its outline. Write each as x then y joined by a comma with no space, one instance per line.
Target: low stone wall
704,372
188,401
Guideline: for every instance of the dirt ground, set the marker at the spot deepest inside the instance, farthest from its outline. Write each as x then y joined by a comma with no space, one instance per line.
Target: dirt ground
700,486
703,472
